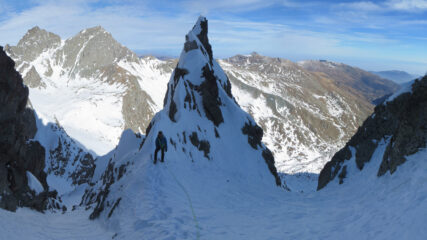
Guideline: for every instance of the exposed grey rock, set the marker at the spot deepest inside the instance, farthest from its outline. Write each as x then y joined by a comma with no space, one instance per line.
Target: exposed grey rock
403,121
33,80
91,50
34,42
136,110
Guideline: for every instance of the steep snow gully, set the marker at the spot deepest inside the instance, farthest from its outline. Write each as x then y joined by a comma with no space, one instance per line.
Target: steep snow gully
218,180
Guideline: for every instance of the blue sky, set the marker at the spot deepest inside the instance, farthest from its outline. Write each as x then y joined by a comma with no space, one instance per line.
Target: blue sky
373,35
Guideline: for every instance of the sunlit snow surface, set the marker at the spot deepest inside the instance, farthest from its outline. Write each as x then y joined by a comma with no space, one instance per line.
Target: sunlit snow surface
88,110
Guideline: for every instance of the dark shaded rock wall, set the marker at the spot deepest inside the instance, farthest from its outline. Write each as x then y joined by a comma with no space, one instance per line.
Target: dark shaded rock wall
403,121
18,153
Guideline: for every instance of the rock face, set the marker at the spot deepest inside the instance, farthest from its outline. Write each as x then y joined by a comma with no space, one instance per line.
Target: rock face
97,80
402,120
19,154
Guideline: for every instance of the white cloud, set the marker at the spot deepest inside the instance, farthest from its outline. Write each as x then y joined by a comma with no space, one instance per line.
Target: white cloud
388,5
140,27
134,27
207,6
361,6
407,5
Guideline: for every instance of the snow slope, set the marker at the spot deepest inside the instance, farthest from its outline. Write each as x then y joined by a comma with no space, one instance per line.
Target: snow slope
90,84
390,207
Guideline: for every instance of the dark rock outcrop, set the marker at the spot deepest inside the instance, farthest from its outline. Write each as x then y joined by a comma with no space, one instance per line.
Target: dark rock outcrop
203,37
201,145
19,154
402,122
254,133
209,92
189,45
269,159
98,197
178,74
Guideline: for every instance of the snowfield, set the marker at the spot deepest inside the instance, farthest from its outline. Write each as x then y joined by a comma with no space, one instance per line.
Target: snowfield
168,204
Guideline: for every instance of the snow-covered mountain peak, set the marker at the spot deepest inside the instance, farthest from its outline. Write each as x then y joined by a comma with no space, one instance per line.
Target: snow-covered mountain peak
96,29
211,141
199,104
199,35
93,50
197,73
198,27
96,80
40,36
269,64
32,44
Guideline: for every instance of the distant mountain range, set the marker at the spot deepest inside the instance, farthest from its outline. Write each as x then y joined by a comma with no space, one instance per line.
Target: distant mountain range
396,75
95,88
355,80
